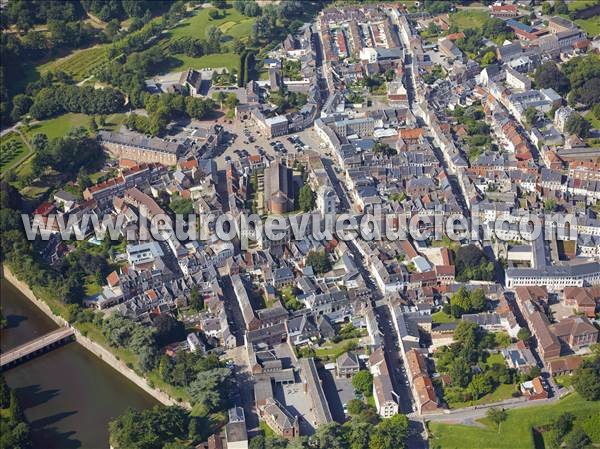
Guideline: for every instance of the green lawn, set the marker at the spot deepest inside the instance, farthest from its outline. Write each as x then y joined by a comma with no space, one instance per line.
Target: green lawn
515,432
334,350
469,18
61,125
503,392
564,381
13,151
441,317
228,60
230,21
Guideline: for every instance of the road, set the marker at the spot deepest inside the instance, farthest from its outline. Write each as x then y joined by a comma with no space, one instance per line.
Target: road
232,308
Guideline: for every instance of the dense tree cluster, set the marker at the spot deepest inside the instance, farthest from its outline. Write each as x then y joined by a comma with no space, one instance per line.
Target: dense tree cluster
472,264
182,369
14,430
248,8
363,382
66,154
306,198
152,428
319,261
122,9
577,125
123,332
492,28
580,77
358,433
464,301
548,75
163,108
586,379
55,100
469,349
567,432
279,19
188,46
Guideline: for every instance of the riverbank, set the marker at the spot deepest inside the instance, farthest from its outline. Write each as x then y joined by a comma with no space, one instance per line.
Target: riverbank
95,348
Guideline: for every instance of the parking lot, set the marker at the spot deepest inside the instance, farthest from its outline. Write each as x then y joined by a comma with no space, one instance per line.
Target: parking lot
247,139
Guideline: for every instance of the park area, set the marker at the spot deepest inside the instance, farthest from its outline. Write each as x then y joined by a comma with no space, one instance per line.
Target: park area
523,428
231,22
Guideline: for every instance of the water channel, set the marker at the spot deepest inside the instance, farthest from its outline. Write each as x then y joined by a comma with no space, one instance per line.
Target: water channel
69,395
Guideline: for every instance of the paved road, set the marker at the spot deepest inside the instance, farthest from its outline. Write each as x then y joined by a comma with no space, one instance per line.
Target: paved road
232,308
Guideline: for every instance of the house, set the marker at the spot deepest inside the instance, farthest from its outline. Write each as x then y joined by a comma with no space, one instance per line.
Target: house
564,365
235,430
534,389
583,300
576,332
502,11
519,357
383,390
347,365
279,419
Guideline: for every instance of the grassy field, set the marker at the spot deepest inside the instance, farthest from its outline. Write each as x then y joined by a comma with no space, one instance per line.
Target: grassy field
440,317
80,64
13,151
469,18
230,21
228,60
515,433
61,125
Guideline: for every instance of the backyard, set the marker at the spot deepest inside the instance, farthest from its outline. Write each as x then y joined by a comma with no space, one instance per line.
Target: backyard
515,433
469,18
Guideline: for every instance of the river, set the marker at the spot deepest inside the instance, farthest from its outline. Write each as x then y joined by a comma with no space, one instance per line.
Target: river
68,394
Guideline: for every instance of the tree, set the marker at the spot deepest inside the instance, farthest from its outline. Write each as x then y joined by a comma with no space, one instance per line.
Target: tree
306,198
196,299
586,380
169,330
577,439
577,125
319,261
149,429
390,433
548,75
531,115
524,334
363,382
488,58
589,93
15,410
4,393
480,386
497,416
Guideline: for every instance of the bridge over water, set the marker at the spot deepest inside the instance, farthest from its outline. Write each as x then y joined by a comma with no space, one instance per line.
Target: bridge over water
36,347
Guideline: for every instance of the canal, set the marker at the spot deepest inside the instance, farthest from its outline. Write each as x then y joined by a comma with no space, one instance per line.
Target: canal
69,395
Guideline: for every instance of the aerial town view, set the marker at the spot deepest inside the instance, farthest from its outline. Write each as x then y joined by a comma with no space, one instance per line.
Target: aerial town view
294,224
